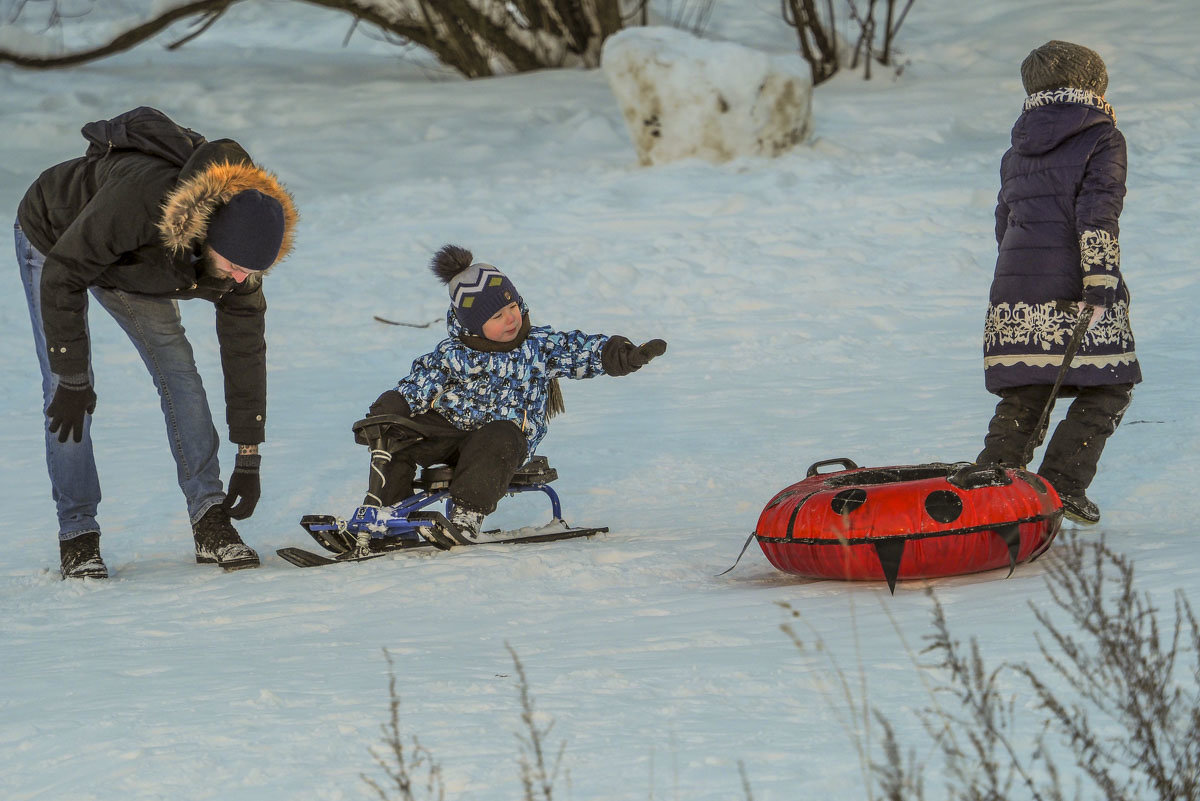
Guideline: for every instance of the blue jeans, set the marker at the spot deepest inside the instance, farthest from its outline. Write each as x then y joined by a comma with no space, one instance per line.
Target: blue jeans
154,327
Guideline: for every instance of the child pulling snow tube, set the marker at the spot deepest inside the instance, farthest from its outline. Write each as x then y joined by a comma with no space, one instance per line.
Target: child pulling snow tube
908,521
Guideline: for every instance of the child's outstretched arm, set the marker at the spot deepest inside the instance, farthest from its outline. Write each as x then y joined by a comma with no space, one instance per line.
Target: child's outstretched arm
622,357
577,355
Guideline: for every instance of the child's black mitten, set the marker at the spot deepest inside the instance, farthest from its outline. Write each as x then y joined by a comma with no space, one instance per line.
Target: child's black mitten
622,357
1104,296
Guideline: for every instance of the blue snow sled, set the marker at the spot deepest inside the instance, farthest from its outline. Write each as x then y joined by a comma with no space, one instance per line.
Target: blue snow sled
374,529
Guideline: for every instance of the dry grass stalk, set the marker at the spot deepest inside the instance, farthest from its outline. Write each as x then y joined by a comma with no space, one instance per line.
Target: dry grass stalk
537,776
400,761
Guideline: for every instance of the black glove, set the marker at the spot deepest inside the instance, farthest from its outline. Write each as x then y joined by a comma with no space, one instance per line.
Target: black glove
70,403
1104,296
622,357
244,486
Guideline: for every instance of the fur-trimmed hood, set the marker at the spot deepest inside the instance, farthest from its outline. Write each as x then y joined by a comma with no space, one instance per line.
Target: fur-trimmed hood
188,209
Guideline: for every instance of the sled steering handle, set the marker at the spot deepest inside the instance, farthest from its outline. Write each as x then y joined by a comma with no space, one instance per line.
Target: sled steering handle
373,431
385,435
845,463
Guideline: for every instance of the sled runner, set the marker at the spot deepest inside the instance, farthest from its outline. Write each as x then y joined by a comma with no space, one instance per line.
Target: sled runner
908,521
551,532
375,530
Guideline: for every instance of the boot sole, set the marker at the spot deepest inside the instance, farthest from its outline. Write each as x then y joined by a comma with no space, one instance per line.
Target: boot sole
86,574
233,564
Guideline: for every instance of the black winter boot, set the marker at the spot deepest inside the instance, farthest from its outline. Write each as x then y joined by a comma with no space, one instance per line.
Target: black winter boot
217,542
1080,509
80,557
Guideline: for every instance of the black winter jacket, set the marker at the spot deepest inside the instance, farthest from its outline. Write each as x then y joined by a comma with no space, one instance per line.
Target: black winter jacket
132,215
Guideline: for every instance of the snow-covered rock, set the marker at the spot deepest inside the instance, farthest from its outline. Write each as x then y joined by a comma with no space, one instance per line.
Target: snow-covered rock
687,97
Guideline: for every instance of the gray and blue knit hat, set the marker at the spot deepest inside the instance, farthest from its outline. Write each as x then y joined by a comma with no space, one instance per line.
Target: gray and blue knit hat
477,290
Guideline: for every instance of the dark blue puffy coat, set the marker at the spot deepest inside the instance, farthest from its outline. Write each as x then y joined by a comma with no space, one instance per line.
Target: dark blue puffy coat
1061,192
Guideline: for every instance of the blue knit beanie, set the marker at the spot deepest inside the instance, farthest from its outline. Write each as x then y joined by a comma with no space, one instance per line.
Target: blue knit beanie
248,230
477,290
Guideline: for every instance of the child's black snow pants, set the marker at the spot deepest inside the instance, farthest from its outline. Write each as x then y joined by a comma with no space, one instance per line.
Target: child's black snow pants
1073,454
484,461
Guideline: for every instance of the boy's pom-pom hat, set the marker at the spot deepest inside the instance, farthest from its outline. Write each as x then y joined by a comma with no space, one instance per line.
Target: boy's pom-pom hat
1060,65
477,290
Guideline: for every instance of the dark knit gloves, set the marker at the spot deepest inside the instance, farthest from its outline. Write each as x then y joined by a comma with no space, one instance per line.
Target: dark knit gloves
244,486
621,357
1103,296
73,399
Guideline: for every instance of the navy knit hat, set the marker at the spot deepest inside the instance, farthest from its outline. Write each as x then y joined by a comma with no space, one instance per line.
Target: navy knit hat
248,230
477,290
1062,65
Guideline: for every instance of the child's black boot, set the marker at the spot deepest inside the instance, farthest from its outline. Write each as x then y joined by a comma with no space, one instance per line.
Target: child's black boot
1080,508
468,522
461,528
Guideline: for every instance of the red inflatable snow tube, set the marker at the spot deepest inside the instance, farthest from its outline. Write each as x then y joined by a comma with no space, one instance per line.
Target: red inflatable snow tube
909,521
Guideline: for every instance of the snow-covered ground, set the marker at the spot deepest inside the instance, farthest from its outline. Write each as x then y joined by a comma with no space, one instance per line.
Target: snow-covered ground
824,304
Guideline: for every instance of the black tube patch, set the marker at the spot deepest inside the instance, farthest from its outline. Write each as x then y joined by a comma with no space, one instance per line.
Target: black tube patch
943,506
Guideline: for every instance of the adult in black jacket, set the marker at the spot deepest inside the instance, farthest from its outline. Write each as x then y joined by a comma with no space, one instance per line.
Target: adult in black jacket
153,214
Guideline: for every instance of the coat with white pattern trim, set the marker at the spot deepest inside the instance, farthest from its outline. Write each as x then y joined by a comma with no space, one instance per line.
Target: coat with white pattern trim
1062,191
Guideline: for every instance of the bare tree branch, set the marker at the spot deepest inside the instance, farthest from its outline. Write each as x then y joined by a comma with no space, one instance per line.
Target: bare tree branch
122,42
212,17
475,37
818,43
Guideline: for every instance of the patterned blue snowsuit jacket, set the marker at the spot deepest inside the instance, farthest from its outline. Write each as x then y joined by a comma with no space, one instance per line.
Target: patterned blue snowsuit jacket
1062,190
471,388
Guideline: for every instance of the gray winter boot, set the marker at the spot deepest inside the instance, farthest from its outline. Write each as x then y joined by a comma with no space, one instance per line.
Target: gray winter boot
80,556
468,522
462,529
217,542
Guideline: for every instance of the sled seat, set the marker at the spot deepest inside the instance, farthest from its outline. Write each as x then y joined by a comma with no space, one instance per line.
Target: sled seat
394,432
536,471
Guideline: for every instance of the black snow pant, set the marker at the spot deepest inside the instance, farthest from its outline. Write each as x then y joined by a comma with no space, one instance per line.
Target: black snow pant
1073,453
484,461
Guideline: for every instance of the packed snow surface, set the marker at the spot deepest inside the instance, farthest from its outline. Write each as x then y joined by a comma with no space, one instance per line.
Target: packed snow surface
827,303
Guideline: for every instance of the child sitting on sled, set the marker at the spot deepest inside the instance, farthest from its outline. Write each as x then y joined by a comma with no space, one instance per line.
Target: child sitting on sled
487,391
